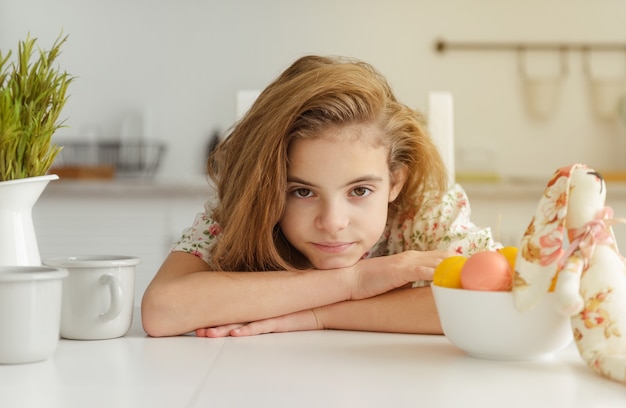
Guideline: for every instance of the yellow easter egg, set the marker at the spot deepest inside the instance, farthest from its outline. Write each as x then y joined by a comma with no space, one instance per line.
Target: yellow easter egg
510,253
448,273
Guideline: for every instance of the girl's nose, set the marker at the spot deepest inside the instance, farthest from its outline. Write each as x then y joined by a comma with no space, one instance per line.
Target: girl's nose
332,217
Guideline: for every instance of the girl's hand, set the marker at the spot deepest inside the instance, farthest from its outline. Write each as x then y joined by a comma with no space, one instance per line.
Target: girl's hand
298,321
374,276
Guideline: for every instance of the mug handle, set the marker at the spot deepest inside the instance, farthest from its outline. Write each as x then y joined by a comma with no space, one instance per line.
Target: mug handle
116,297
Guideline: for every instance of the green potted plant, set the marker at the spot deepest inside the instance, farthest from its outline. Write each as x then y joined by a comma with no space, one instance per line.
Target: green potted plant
33,92
32,95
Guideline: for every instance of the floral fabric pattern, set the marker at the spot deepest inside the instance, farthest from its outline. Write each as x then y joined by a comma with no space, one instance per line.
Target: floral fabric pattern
439,225
590,273
199,238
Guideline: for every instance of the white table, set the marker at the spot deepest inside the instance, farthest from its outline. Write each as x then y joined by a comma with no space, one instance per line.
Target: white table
303,369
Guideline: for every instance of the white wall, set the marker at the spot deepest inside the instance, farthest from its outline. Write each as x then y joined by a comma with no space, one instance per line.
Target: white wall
180,62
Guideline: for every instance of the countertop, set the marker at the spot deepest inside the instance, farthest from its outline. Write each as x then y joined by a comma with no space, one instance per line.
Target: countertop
128,188
300,369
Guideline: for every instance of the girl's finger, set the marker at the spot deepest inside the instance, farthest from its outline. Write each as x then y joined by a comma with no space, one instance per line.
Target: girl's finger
219,331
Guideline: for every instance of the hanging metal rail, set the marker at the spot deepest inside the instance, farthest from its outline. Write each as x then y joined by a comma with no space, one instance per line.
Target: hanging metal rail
442,46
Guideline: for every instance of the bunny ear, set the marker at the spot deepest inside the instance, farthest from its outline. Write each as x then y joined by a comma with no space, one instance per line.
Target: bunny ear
542,244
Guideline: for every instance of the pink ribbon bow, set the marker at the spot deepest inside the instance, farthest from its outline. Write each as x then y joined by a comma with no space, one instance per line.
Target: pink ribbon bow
585,238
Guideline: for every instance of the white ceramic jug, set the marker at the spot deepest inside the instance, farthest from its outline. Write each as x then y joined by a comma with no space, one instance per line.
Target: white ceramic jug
18,241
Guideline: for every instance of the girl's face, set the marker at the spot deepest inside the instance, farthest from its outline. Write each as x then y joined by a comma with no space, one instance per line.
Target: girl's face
338,190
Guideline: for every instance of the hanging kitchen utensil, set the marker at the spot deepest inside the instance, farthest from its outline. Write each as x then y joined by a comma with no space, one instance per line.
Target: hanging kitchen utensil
541,93
604,93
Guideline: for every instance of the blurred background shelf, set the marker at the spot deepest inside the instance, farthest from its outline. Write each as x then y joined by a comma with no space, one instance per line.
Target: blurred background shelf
109,159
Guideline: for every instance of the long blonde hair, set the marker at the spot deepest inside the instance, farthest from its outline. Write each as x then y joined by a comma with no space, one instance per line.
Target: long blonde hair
249,168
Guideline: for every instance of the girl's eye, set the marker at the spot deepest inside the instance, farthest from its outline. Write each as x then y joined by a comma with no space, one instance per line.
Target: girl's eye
302,192
361,191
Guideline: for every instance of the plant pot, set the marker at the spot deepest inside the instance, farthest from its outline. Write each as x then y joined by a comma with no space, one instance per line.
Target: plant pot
18,242
30,312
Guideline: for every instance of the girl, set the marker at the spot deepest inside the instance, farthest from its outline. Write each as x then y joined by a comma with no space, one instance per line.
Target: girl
332,213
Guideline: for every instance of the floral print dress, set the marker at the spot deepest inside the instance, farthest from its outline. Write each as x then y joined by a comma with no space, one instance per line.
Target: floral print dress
442,224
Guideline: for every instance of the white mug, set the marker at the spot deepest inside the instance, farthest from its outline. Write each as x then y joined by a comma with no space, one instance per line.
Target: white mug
98,295
30,312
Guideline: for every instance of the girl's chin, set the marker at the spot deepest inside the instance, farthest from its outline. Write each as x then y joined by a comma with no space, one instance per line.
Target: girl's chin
334,263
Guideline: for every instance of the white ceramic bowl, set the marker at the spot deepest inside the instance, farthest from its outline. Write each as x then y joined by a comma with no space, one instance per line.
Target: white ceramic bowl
487,325
30,312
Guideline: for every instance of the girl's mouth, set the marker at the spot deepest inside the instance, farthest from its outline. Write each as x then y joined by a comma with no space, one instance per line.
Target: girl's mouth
332,247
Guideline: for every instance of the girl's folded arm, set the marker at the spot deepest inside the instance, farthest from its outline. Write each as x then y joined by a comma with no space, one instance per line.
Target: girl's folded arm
406,310
183,296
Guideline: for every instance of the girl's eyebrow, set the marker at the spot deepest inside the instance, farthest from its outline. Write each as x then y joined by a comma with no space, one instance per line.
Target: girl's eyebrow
363,179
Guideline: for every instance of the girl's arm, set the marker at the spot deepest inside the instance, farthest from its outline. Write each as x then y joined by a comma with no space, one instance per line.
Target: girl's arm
407,310
399,311
184,297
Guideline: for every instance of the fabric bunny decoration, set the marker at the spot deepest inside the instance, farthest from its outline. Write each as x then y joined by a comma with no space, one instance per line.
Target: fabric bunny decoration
590,273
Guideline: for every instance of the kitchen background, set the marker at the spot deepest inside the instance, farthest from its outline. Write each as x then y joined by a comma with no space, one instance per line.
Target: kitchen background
179,64
169,71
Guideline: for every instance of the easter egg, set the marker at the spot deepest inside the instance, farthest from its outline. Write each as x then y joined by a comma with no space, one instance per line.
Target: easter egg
510,253
448,272
487,270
